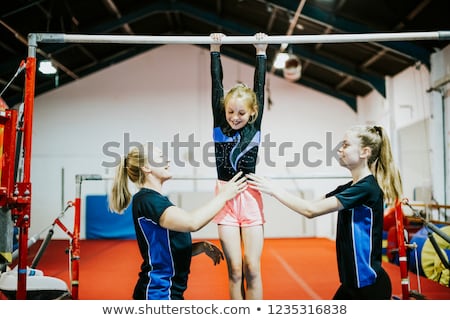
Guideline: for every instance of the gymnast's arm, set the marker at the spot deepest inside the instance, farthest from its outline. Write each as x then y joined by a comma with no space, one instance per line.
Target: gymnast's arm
216,78
259,79
177,219
308,209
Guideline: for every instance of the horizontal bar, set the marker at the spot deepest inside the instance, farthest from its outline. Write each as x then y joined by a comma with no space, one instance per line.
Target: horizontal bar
82,177
305,177
322,38
429,205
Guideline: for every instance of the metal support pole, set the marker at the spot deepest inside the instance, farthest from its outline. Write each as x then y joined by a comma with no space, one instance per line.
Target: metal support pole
75,246
403,261
22,192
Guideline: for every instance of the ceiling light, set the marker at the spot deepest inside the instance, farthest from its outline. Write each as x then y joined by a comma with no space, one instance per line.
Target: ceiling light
46,67
292,69
280,60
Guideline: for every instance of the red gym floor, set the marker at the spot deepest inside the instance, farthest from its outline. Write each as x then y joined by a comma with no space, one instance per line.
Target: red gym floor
292,269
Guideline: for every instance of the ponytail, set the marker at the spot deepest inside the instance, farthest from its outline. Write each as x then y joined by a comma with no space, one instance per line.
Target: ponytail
386,171
129,168
120,193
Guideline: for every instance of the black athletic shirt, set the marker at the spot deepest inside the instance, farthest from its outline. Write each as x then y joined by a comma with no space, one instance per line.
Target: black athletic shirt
235,150
166,254
359,232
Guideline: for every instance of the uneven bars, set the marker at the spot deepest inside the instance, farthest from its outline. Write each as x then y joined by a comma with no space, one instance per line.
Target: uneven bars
323,38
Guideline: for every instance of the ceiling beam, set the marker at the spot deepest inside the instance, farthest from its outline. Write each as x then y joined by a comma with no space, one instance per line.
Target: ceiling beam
111,6
350,100
422,5
407,49
235,28
375,82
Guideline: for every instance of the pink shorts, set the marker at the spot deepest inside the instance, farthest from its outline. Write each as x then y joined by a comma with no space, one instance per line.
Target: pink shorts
244,210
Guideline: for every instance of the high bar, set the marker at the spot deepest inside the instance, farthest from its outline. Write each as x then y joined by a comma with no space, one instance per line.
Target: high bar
322,38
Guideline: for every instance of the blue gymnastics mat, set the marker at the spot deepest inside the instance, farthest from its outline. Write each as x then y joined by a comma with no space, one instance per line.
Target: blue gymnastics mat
101,223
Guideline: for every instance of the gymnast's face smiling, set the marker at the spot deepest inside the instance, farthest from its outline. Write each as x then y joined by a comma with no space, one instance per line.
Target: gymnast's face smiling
237,113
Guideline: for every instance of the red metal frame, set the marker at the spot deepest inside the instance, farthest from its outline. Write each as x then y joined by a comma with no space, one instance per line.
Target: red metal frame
403,261
23,208
20,199
74,246
17,194
8,119
75,254
74,250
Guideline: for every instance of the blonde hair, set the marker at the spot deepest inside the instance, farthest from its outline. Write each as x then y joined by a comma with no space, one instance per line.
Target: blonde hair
381,161
129,168
241,91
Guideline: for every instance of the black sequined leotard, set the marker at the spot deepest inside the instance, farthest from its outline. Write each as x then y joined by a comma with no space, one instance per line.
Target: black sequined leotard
236,150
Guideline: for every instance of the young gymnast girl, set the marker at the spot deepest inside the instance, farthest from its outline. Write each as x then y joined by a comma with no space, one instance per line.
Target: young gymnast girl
237,124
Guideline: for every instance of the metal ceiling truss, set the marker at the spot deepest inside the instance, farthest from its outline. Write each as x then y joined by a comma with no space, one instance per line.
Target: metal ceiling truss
174,10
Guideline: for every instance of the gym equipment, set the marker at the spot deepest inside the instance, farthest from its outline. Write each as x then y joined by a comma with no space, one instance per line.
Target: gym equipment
16,192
